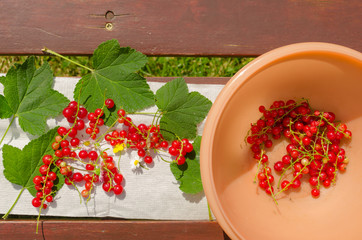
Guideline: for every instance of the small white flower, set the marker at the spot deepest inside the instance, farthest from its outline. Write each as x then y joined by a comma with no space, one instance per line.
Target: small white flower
135,164
87,145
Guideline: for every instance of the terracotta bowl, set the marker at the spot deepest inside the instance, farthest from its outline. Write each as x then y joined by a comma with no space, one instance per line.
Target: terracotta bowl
329,76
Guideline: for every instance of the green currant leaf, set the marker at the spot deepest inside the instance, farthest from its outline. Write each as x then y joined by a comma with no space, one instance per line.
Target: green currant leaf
21,166
113,77
189,174
12,158
5,110
29,94
195,154
2,79
182,121
110,55
172,95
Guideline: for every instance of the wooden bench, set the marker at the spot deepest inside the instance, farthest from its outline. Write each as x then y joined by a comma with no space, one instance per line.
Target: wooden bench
168,28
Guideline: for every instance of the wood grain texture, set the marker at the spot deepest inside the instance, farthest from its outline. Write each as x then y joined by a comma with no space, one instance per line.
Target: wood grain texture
111,229
163,27
132,230
20,230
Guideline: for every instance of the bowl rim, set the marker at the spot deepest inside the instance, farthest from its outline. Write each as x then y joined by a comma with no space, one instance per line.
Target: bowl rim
223,98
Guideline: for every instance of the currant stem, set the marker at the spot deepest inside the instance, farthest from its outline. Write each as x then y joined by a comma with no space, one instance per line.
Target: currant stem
38,218
16,200
11,122
108,131
65,58
210,214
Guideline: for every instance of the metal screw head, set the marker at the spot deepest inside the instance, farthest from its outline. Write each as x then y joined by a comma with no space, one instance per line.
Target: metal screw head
109,26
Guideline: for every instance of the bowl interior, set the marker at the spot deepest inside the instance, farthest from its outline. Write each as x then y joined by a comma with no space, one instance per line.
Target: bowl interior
331,81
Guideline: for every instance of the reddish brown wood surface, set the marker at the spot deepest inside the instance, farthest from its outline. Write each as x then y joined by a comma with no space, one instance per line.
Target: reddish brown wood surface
178,27
111,229
19,230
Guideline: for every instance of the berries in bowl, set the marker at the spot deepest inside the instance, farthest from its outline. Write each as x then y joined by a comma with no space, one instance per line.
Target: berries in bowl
270,162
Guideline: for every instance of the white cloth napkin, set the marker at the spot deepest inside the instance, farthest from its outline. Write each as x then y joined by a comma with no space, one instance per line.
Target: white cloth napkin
148,194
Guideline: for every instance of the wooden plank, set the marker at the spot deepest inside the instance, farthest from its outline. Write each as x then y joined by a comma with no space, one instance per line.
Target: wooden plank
20,230
132,230
178,27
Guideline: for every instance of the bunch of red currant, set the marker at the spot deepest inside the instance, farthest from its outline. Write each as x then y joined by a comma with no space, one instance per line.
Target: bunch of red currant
84,158
314,150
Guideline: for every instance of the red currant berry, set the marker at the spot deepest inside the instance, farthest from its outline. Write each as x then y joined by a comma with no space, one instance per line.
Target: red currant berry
98,112
38,187
47,159
148,159
92,117
39,194
37,180
313,181
68,112
47,190
261,176
83,154
181,160
64,171
73,132
82,113
66,151
326,183
121,113
188,147
62,131
110,165
269,190
306,141
173,151
263,184
89,167
268,143
315,192
106,186
285,184
141,153
296,183
117,189
109,103
52,176
286,159
164,144
49,198
118,178
77,177
55,145
80,124
74,142
109,159
88,185
73,105
43,169
68,181
85,193
278,166
36,202
93,155
64,143
49,184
